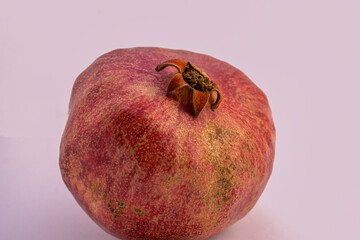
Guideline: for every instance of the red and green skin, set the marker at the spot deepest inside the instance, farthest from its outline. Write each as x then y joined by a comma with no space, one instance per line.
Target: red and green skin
143,167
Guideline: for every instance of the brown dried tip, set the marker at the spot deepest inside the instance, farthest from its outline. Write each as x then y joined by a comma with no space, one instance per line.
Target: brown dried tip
196,86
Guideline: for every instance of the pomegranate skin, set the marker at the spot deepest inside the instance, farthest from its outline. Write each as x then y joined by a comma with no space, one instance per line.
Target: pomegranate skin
143,167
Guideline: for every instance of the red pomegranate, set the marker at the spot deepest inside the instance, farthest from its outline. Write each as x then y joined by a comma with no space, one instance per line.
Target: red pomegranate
146,159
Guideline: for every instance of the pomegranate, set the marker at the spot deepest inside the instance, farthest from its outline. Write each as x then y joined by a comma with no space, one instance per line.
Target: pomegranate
166,144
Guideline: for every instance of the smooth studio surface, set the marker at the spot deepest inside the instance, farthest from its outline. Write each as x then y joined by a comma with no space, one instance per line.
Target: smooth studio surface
303,54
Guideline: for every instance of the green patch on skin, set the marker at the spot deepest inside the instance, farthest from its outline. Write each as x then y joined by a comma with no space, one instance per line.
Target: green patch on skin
116,207
121,204
138,212
113,211
224,184
221,144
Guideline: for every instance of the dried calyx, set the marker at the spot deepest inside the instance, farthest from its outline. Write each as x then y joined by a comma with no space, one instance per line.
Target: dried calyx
196,78
196,87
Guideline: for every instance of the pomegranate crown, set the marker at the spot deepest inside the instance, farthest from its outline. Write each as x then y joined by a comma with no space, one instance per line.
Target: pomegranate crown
192,86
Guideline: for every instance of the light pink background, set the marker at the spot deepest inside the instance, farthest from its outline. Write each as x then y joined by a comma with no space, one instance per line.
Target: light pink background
305,55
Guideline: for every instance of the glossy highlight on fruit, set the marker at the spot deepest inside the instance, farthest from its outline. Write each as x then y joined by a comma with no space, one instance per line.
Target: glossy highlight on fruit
146,159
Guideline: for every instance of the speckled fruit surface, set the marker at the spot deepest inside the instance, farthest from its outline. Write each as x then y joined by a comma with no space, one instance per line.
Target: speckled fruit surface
143,167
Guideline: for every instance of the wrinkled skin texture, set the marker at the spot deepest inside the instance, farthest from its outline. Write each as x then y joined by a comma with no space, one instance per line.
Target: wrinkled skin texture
143,167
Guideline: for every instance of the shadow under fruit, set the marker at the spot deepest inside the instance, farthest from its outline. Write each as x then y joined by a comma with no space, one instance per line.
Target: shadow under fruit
180,152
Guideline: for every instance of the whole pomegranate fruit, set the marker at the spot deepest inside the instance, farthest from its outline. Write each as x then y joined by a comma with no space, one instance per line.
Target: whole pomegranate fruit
146,159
